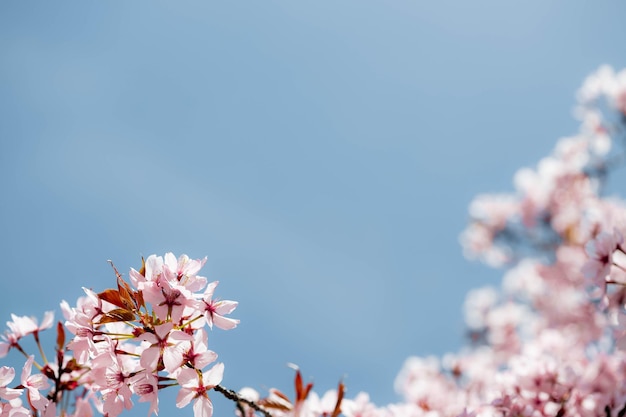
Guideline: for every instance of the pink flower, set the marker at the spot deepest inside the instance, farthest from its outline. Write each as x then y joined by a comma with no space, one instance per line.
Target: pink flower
153,270
83,408
169,299
323,406
111,380
10,340
194,386
6,376
184,271
115,400
195,349
22,326
10,410
25,325
160,348
600,252
214,310
361,406
33,383
145,385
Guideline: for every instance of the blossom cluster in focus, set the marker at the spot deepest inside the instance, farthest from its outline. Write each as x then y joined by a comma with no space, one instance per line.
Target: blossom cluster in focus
128,342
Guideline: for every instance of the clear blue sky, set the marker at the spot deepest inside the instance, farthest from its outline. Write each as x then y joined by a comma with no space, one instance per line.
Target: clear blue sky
322,154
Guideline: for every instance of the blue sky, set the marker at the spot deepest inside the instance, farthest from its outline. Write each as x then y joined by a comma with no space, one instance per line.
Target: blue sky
321,154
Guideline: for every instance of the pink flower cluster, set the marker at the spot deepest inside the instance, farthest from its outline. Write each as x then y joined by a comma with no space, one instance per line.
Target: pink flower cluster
128,342
550,343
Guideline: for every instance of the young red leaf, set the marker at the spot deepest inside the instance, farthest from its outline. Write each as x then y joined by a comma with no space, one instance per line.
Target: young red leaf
340,392
124,290
60,337
119,314
302,392
142,270
112,296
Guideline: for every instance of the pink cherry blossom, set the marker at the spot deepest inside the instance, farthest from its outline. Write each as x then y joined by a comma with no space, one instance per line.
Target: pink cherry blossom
10,410
600,252
22,326
195,386
184,271
34,383
116,400
169,300
145,384
6,376
214,310
160,348
195,350
153,270
360,406
83,408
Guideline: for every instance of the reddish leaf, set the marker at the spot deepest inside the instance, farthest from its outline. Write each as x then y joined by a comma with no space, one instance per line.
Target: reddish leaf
298,383
280,402
72,365
280,395
60,336
124,290
301,391
48,371
125,294
139,299
69,385
267,403
119,314
142,270
112,296
340,391
60,356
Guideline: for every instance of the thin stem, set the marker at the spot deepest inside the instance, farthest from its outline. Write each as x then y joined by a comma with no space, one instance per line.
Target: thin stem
161,386
26,355
119,336
182,326
232,395
241,410
41,352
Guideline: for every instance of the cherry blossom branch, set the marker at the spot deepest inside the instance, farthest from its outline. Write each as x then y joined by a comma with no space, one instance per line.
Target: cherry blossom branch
233,396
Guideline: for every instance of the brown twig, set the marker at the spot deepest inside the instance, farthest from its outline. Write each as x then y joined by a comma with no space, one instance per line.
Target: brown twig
232,395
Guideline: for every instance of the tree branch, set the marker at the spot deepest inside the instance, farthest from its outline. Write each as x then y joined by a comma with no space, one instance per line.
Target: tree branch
232,395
